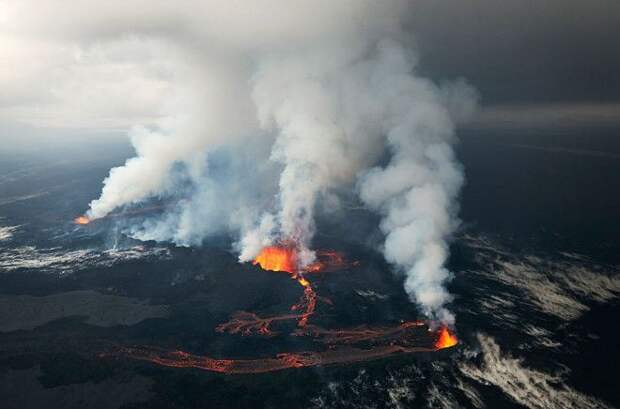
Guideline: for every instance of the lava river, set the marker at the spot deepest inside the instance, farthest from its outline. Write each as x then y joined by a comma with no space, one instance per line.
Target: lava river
337,346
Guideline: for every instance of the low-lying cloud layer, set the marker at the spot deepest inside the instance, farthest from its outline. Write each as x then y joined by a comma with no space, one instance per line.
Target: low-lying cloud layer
528,387
563,287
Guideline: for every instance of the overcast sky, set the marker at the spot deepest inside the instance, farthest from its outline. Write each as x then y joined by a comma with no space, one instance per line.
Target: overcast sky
524,51
110,65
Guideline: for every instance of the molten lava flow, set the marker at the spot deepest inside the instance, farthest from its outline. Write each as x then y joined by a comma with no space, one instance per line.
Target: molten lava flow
328,260
403,334
446,339
285,360
276,258
247,323
343,346
281,258
81,220
335,346
308,301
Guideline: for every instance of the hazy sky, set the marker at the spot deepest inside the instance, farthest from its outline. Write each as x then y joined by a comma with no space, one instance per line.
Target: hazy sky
108,65
524,50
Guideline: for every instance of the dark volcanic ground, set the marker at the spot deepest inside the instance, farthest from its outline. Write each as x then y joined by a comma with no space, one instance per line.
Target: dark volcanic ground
536,288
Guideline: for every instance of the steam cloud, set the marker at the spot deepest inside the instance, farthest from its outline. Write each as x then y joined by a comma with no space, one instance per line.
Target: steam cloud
294,100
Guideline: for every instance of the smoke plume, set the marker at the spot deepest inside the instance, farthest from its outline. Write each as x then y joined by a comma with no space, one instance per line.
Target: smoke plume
278,105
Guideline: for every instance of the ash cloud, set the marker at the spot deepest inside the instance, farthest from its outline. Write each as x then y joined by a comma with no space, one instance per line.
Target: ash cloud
273,107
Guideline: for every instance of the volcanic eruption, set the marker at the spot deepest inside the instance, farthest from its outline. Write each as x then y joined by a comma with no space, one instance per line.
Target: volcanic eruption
277,258
446,339
82,220
276,120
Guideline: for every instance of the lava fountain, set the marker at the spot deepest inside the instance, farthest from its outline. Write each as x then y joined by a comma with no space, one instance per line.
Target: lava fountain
284,258
446,339
276,258
82,220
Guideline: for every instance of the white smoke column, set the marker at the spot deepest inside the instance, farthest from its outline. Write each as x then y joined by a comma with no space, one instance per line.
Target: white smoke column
211,108
416,192
301,100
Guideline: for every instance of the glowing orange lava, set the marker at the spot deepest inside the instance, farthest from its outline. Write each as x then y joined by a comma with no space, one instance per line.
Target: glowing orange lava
284,258
276,258
340,346
446,339
330,346
284,360
81,220
328,260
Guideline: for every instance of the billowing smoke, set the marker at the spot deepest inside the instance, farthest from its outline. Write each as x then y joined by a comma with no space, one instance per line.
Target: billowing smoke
416,191
279,105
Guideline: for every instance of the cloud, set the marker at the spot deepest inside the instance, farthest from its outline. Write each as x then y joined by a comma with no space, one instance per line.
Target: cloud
60,261
6,232
97,86
563,287
529,387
